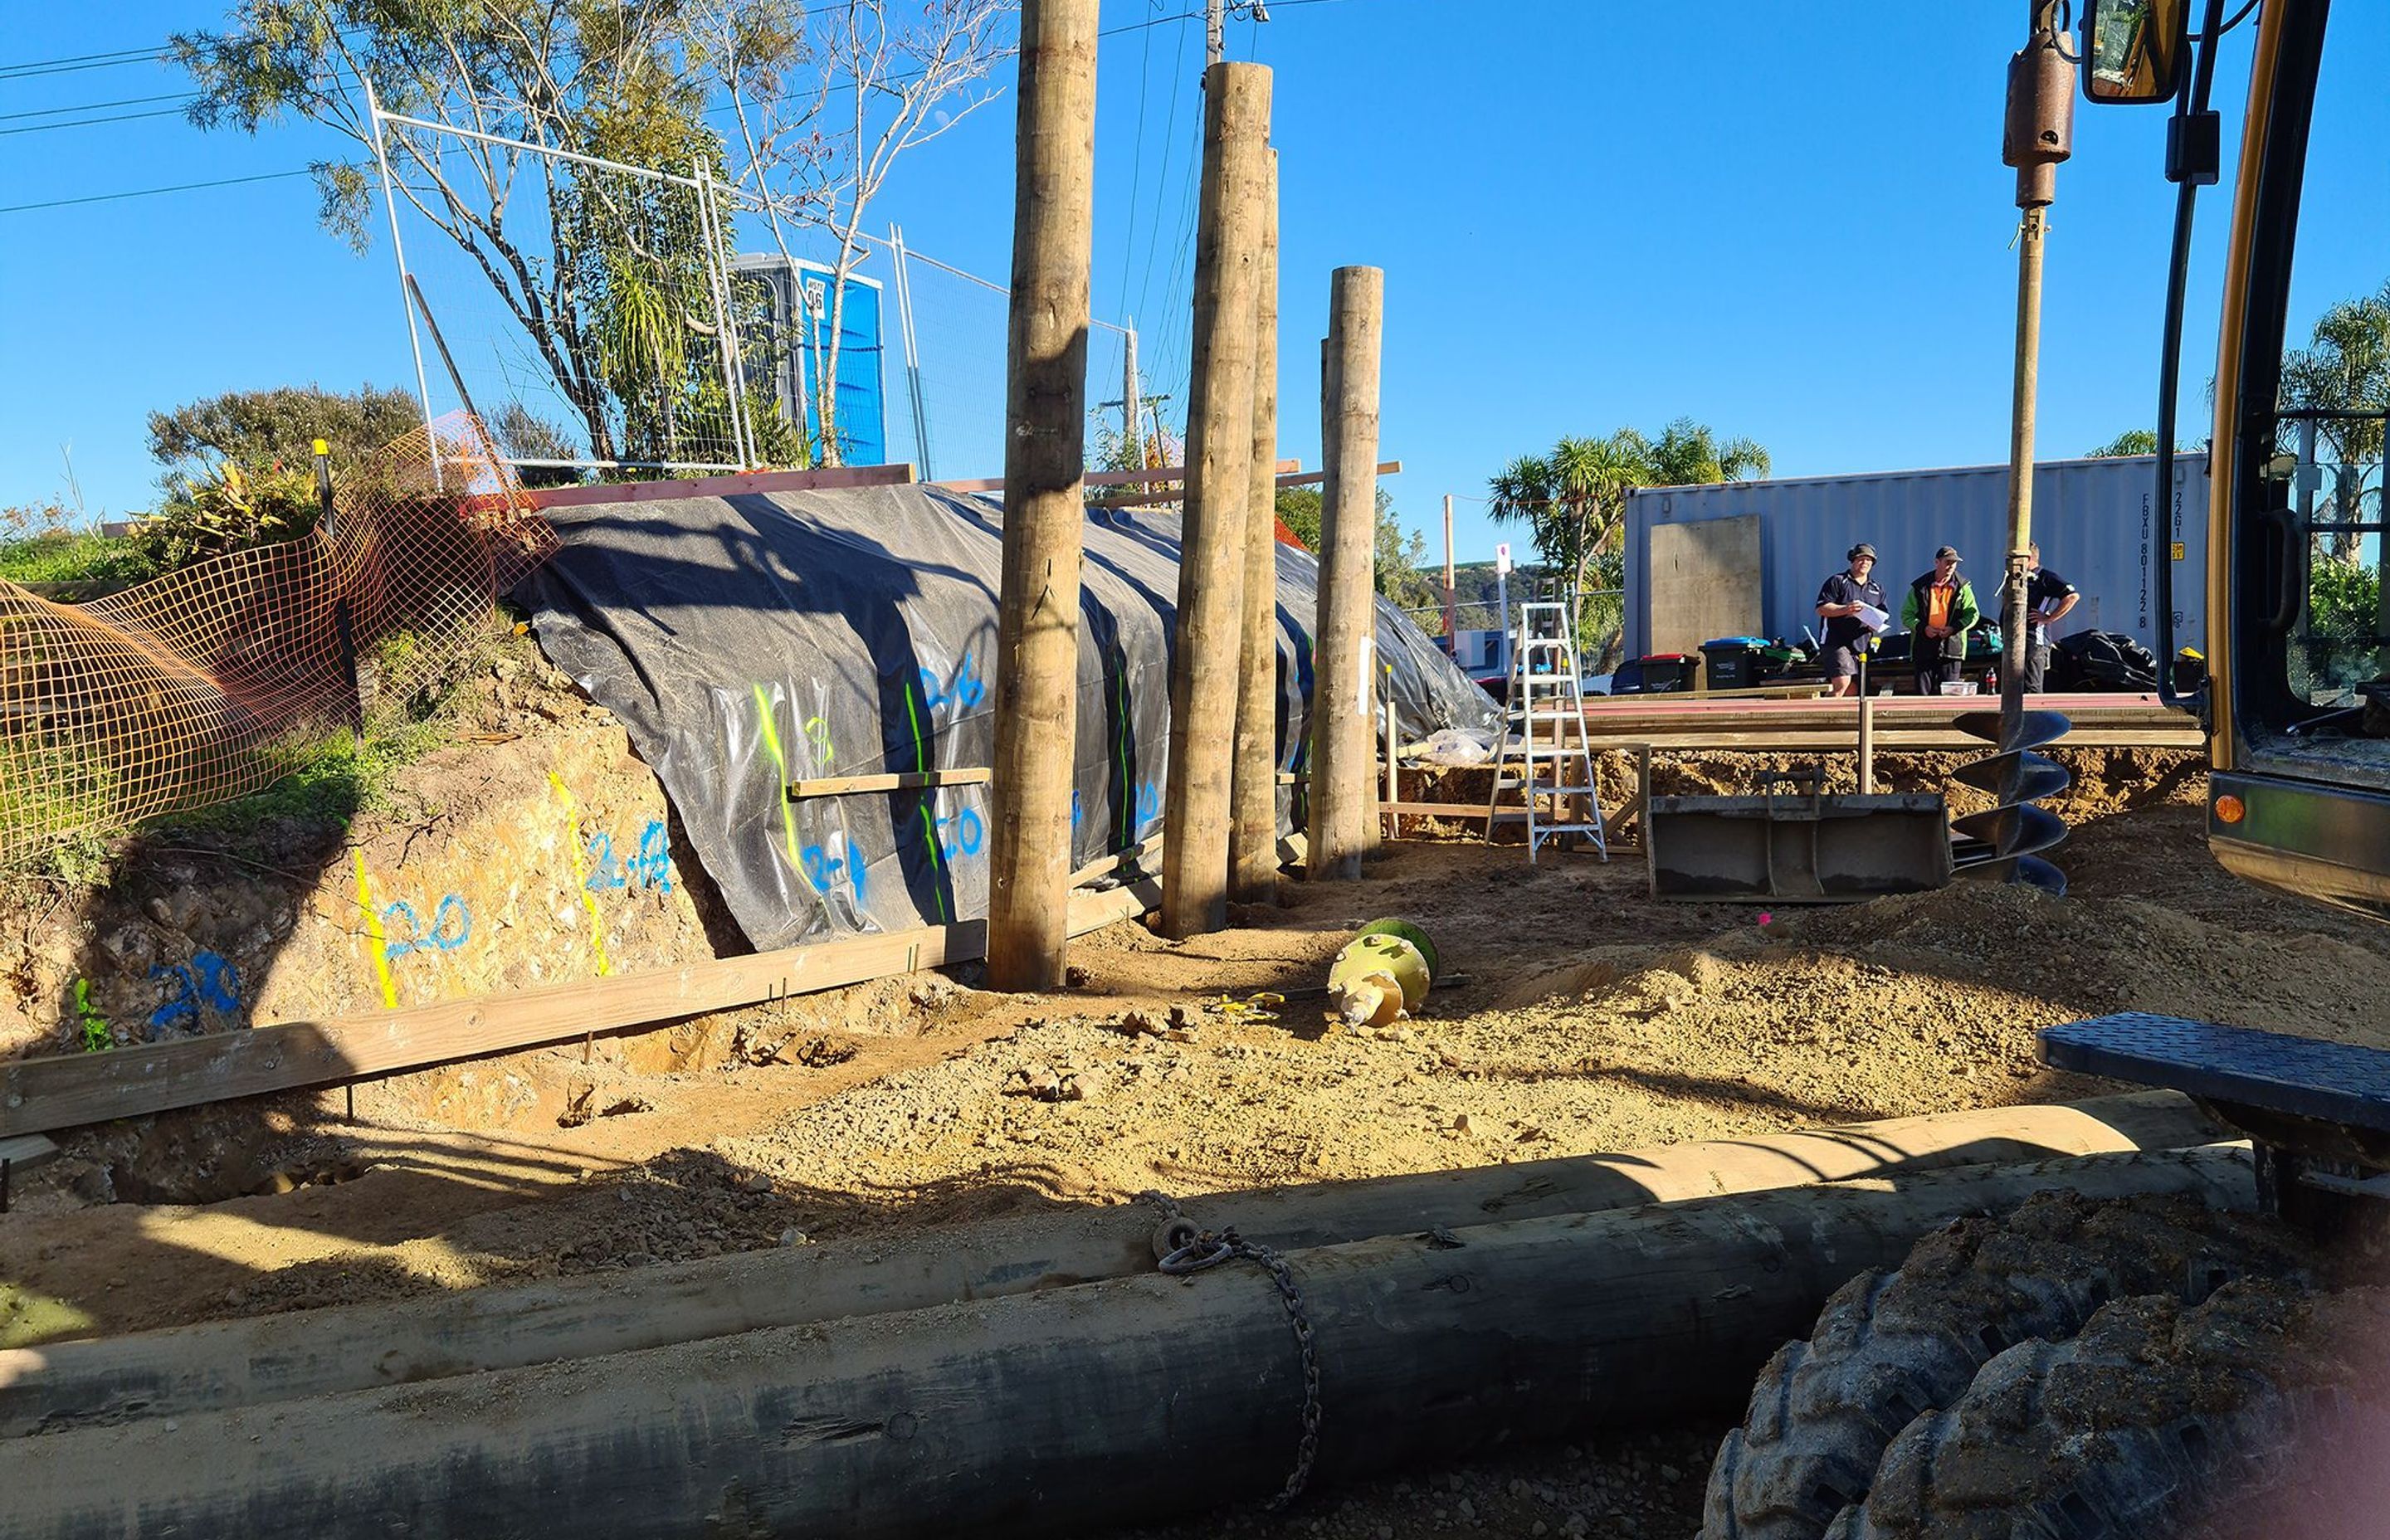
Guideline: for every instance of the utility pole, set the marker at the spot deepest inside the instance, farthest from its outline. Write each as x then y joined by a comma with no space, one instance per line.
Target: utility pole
1343,692
1216,22
1045,463
2038,134
1130,410
1252,837
1451,624
1208,655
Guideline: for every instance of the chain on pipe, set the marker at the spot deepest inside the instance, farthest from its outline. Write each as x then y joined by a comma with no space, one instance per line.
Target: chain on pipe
1181,1248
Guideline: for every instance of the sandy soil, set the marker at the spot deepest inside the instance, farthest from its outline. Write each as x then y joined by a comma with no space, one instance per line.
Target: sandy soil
1578,1016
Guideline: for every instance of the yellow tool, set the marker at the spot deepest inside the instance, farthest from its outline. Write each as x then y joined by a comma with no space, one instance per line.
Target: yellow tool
1382,974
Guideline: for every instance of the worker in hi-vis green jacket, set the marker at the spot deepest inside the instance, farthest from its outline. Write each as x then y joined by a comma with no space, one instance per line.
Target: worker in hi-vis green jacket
1940,611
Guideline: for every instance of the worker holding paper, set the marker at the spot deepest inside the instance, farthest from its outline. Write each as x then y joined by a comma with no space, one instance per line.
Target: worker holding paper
1852,605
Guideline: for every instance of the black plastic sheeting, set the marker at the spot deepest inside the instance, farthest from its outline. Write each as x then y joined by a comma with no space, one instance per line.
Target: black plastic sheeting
750,641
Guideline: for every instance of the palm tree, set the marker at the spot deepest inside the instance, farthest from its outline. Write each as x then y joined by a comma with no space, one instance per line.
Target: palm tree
2345,368
1574,500
1690,453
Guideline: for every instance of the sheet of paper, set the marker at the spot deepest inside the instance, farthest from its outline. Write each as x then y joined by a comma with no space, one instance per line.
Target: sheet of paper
1873,619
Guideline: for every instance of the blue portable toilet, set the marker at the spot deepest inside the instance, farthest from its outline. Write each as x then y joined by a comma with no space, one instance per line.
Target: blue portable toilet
796,296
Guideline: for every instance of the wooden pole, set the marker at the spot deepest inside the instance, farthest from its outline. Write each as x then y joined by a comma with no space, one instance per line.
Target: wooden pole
1208,658
1037,617
1253,847
1867,745
1051,1412
1132,409
1345,667
266,1358
1451,610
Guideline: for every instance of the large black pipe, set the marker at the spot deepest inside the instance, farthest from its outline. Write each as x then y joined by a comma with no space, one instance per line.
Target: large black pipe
1060,1411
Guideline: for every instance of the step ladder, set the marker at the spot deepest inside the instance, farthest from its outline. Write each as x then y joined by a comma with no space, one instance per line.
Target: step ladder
1544,727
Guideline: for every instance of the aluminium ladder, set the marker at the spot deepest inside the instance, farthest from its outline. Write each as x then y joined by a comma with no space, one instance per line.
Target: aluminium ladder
1546,694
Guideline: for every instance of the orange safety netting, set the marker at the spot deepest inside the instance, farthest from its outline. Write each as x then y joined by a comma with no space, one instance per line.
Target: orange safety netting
199,687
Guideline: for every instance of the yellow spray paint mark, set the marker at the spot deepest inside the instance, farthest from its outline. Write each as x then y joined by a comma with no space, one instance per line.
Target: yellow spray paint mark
581,878
772,747
380,943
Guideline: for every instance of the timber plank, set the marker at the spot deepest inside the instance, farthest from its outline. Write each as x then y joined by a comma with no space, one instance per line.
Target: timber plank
899,780
65,1091
737,483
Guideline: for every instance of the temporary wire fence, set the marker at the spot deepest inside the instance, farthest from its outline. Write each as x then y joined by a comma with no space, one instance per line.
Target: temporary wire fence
922,351
206,684
583,308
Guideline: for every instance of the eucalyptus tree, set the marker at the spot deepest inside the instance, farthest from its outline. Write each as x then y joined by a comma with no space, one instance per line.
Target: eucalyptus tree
822,99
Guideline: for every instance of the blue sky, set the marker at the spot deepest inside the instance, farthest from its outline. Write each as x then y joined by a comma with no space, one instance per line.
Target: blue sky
1590,214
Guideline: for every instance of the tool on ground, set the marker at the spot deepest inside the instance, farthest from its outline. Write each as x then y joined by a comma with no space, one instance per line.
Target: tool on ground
1545,693
1382,973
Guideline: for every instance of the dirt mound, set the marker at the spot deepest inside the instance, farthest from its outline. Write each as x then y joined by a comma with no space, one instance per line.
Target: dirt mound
2122,954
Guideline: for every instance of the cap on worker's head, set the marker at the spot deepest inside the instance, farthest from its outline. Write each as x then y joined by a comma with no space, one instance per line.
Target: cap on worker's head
1947,553
1861,549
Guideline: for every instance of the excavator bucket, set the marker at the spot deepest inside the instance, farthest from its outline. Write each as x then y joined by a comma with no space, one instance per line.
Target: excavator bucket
1804,848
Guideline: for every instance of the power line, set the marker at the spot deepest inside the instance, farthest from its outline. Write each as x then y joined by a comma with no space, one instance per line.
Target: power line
94,106
153,192
84,61
88,61
1169,147
93,123
1136,175
150,50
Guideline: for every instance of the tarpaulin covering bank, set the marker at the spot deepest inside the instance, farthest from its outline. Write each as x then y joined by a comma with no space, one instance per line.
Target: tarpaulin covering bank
751,642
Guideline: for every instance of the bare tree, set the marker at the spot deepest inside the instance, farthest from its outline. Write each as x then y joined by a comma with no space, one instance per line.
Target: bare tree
877,87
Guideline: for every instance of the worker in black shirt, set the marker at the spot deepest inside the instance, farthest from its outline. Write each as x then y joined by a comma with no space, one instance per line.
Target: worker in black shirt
2047,598
1839,604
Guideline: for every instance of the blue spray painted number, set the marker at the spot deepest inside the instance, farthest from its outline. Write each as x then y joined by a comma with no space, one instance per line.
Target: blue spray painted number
823,870
452,925
651,868
1149,806
969,834
207,979
962,693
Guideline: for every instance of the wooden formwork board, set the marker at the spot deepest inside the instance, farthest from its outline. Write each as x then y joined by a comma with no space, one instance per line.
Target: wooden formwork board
39,1094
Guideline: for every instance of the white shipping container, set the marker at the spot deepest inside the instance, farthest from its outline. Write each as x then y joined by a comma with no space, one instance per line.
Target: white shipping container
2090,517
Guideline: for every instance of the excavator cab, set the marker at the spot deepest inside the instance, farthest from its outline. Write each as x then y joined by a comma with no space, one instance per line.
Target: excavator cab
2297,702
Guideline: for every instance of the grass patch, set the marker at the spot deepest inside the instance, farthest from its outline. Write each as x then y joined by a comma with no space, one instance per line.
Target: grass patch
73,556
332,778
329,781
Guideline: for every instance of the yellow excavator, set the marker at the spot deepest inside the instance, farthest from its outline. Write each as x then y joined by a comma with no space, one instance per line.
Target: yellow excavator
1949,1398
2296,702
